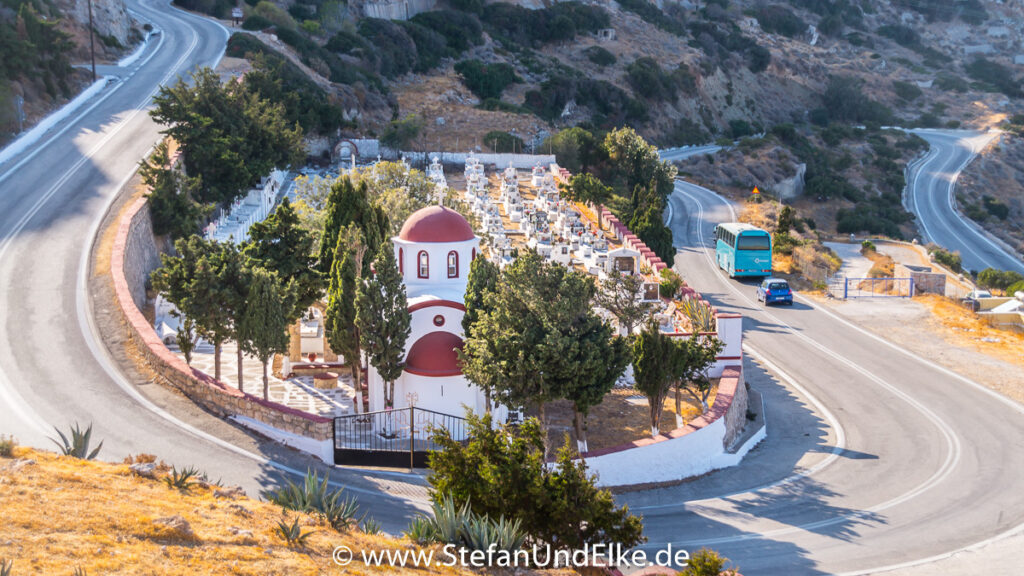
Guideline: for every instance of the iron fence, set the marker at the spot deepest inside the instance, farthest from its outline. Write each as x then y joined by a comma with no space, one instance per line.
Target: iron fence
396,438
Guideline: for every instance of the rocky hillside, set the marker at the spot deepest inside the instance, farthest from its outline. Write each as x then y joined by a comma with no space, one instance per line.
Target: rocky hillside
678,74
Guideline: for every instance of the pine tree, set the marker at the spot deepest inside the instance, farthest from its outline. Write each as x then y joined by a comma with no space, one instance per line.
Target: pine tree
279,244
263,330
620,294
383,320
204,282
483,280
349,204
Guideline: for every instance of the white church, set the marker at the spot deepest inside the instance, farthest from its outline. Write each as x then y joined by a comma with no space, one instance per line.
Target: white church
433,251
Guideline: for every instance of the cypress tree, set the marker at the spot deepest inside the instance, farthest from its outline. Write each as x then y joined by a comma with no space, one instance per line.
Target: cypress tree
263,330
383,320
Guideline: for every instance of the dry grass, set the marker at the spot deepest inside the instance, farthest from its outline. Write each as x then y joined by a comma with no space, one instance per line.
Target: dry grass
61,513
963,327
618,421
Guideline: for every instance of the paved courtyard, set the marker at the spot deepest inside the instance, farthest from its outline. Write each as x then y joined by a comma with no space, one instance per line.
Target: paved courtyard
297,392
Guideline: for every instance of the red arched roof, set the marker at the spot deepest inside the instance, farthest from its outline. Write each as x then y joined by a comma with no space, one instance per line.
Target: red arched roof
436,224
434,355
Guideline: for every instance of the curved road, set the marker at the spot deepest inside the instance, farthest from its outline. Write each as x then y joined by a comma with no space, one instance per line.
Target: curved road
874,458
53,368
931,197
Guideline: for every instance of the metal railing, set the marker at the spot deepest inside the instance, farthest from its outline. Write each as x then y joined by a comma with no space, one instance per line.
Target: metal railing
842,287
401,437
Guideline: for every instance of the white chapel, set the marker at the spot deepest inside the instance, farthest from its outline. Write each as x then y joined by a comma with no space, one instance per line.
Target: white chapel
433,251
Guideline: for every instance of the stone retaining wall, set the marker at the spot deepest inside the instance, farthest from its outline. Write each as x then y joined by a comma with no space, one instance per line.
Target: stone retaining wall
131,263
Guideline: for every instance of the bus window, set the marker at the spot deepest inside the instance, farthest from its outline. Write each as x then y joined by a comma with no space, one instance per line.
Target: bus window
754,242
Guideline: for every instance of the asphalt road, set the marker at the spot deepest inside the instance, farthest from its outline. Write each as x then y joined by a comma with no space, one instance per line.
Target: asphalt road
53,369
930,196
874,458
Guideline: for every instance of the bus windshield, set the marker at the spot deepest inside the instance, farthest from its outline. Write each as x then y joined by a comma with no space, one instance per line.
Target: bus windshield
753,242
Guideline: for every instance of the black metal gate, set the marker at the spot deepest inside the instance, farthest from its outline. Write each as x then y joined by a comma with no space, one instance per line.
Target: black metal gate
399,438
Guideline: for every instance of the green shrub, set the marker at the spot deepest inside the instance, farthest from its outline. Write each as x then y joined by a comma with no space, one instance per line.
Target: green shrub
399,134
600,56
255,22
486,80
502,470
1012,289
651,14
686,132
995,207
670,283
778,19
994,76
430,46
7,445
999,279
272,12
395,51
216,8
460,30
704,562
950,83
867,246
948,259
301,12
843,100
906,90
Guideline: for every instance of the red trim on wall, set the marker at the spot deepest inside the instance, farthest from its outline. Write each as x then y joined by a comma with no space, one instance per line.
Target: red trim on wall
438,374
432,303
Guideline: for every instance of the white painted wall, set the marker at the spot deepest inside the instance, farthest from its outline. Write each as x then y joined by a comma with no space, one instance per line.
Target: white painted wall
696,453
407,254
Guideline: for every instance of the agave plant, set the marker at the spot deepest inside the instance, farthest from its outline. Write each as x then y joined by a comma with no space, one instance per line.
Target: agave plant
454,524
700,314
449,519
422,531
78,446
79,571
292,533
6,567
371,527
182,479
314,495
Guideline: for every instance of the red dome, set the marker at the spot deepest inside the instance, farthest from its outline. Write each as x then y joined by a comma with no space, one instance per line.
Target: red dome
436,224
435,355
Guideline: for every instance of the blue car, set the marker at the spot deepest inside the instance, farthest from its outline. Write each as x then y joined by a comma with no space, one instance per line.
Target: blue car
775,291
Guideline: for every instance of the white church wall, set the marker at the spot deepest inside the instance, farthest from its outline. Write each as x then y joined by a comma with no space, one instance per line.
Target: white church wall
407,253
423,321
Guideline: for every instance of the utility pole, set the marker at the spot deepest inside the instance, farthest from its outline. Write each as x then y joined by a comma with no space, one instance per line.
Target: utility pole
92,44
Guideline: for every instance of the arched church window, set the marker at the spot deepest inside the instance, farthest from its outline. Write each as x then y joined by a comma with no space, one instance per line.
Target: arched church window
401,260
453,264
424,264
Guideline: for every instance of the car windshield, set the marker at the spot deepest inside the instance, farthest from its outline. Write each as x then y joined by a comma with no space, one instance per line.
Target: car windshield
778,286
754,242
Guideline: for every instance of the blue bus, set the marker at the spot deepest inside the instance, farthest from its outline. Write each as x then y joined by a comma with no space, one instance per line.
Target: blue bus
743,250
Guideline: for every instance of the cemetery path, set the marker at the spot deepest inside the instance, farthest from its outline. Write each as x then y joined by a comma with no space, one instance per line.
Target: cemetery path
54,370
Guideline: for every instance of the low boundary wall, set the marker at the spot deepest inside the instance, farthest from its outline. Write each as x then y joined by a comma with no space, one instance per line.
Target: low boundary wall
702,445
304,431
